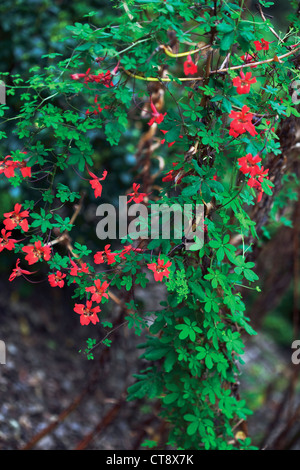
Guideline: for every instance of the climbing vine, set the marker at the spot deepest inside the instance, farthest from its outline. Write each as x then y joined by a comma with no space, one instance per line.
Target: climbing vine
203,88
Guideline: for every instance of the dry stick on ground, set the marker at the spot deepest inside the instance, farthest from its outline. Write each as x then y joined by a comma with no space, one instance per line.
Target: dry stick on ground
67,411
103,423
61,417
75,403
276,418
280,440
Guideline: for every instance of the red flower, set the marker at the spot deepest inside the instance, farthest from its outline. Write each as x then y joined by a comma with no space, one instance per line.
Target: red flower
160,269
105,256
76,270
156,116
262,45
6,242
258,172
36,251
77,76
87,313
189,67
95,182
248,59
241,122
248,164
25,170
171,175
243,82
18,271
104,78
135,195
127,249
257,184
88,77
8,167
16,218
56,279
98,290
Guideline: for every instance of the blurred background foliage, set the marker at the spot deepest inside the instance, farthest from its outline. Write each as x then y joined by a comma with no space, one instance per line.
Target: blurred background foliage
29,29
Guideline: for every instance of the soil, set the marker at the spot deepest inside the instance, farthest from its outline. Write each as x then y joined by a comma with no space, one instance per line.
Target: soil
54,398
47,381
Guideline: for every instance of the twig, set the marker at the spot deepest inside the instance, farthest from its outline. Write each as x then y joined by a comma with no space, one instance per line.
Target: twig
67,411
103,423
56,422
266,61
107,335
270,27
235,67
183,54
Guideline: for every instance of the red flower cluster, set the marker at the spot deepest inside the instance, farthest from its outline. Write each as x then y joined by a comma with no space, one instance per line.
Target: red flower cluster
249,166
16,218
262,45
95,182
87,313
6,242
76,270
98,291
57,279
135,195
104,78
242,122
156,116
243,82
37,251
189,67
105,256
160,269
8,167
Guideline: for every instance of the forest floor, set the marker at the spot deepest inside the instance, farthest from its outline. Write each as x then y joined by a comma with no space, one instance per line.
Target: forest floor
46,381
46,384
